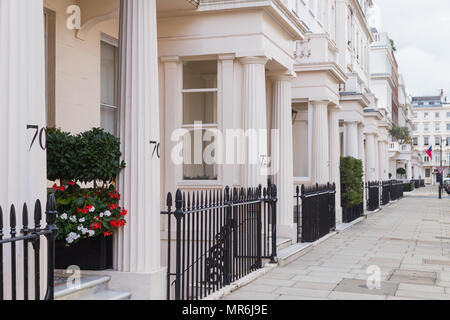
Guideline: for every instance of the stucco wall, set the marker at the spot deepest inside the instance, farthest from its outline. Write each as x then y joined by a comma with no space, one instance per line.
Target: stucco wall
78,71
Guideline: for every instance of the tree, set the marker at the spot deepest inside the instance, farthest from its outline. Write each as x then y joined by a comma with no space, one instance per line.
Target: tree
401,134
401,172
393,45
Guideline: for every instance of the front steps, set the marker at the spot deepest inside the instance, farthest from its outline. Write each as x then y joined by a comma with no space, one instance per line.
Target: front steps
89,288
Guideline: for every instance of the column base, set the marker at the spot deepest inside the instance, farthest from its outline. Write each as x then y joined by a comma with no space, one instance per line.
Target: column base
287,232
338,215
143,286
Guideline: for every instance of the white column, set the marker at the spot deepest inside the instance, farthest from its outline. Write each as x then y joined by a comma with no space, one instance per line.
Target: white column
351,140
409,171
335,159
371,158
383,160
320,149
362,157
137,247
22,103
282,151
255,119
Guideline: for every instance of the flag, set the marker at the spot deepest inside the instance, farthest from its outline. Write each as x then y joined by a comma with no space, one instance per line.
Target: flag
430,153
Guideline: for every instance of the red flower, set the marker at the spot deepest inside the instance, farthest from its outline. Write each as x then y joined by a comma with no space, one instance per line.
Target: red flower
107,234
55,187
124,213
71,183
112,206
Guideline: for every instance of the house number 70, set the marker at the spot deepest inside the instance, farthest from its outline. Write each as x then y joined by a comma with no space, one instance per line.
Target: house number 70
41,133
156,149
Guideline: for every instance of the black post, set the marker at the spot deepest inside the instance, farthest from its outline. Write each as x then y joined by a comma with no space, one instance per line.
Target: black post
228,238
440,175
274,200
179,216
169,204
259,228
51,213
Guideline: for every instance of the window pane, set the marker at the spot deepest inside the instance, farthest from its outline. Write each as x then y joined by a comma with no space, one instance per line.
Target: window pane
200,75
200,106
203,171
108,73
108,119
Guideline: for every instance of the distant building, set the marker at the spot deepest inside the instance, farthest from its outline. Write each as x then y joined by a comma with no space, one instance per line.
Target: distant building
431,128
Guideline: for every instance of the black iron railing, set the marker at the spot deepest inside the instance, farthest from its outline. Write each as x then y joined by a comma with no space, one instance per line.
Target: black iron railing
30,239
316,215
385,193
220,237
418,183
373,195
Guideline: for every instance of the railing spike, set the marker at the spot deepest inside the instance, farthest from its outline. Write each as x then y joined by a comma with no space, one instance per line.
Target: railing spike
25,217
169,201
12,215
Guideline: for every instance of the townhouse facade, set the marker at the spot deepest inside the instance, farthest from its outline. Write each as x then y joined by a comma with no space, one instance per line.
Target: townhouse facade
431,125
166,71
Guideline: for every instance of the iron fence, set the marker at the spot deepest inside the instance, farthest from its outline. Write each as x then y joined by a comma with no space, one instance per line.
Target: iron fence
386,189
396,190
418,183
317,212
30,239
221,236
373,195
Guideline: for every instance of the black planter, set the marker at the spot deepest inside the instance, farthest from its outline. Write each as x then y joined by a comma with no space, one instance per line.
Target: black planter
87,254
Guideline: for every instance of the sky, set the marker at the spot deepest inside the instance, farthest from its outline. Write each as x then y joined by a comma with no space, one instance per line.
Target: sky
421,32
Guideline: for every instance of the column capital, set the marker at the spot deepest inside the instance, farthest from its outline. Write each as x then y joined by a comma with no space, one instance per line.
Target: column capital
282,77
254,60
229,56
168,59
319,102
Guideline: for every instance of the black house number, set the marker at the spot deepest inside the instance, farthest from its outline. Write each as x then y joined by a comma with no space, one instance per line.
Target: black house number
156,149
40,133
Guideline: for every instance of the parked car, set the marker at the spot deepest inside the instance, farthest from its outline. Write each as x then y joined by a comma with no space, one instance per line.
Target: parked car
447,185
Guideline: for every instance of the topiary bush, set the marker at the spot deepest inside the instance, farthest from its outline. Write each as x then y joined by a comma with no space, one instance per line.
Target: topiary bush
93,155
352,182
408,187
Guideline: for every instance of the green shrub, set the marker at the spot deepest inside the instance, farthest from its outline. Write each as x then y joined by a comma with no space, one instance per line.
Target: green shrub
90,156
352,182
408,187
61,155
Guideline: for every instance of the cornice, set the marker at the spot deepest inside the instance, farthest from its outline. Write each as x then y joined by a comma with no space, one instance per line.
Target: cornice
330,67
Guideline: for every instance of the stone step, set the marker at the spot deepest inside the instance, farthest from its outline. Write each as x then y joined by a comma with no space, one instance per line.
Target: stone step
283,243
293,252
89,288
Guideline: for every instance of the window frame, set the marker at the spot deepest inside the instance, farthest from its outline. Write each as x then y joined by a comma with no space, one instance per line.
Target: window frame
205,126
50,66
115,43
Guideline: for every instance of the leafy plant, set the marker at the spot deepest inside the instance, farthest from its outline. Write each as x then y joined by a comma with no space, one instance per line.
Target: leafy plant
401,171
87,157
84,213
352,182
401,134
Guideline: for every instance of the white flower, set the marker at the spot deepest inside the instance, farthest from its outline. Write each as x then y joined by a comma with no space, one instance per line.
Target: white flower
64,216
91,233
82,220
91,210
73,219
72,237
107,213
101,214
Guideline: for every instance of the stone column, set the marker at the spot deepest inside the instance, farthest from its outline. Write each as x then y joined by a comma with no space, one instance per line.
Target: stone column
335,158
137,246
320,149
382,155
351,140
22,104
255,119
282,151
371,158
361,156
409,171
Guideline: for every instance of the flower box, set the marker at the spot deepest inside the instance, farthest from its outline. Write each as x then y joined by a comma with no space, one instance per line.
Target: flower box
88,254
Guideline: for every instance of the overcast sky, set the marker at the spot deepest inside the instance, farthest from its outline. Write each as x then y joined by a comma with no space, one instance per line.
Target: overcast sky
421,31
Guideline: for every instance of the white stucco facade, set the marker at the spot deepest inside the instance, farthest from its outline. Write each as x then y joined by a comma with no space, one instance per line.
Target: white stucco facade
300,68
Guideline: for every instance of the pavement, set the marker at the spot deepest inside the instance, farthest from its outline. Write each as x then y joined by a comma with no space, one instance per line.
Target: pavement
399,253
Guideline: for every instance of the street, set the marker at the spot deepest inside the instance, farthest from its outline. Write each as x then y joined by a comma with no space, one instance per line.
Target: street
408,241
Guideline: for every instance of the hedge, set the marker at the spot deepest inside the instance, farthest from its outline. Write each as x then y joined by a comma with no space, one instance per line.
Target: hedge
90,156
352,182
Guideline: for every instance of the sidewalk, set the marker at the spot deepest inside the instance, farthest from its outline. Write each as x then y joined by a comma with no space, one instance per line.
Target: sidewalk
408,241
